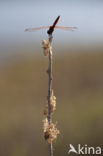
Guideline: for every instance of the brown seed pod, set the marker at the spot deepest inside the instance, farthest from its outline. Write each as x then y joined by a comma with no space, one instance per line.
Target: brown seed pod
46,135
46,111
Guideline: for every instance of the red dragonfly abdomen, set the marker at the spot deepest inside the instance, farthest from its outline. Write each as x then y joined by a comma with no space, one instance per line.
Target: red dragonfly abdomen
51,29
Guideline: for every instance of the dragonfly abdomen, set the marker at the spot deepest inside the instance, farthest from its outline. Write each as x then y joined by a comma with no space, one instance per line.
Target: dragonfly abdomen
51,29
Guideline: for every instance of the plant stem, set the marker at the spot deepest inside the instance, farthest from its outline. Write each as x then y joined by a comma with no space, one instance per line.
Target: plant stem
51,149
49,71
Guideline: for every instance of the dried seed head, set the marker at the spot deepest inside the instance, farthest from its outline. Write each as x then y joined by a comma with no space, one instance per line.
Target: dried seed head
50,131
53,102
46,135
45,125
46,47
53,132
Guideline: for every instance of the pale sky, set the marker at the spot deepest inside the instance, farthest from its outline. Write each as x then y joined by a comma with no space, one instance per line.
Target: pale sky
15,16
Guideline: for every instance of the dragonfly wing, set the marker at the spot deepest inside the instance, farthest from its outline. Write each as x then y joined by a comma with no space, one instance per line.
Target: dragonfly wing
66,28
38,28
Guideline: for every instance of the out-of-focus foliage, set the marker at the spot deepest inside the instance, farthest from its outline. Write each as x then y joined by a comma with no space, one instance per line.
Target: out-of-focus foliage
78,86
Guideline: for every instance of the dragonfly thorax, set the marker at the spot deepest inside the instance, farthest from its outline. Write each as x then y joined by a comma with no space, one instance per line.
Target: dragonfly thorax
51,29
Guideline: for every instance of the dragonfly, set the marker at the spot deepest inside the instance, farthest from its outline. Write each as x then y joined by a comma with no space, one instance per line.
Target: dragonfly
52,27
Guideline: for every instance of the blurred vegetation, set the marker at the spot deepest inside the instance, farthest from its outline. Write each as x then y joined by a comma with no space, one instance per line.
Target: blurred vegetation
78,86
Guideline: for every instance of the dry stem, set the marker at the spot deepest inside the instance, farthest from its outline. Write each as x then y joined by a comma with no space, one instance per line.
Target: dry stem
50,130
49,71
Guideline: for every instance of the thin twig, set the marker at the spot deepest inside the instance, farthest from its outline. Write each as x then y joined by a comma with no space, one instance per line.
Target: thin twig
49,71
50,130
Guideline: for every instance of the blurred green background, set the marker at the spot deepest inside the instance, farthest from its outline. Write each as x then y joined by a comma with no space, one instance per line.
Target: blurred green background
78,86
77,76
